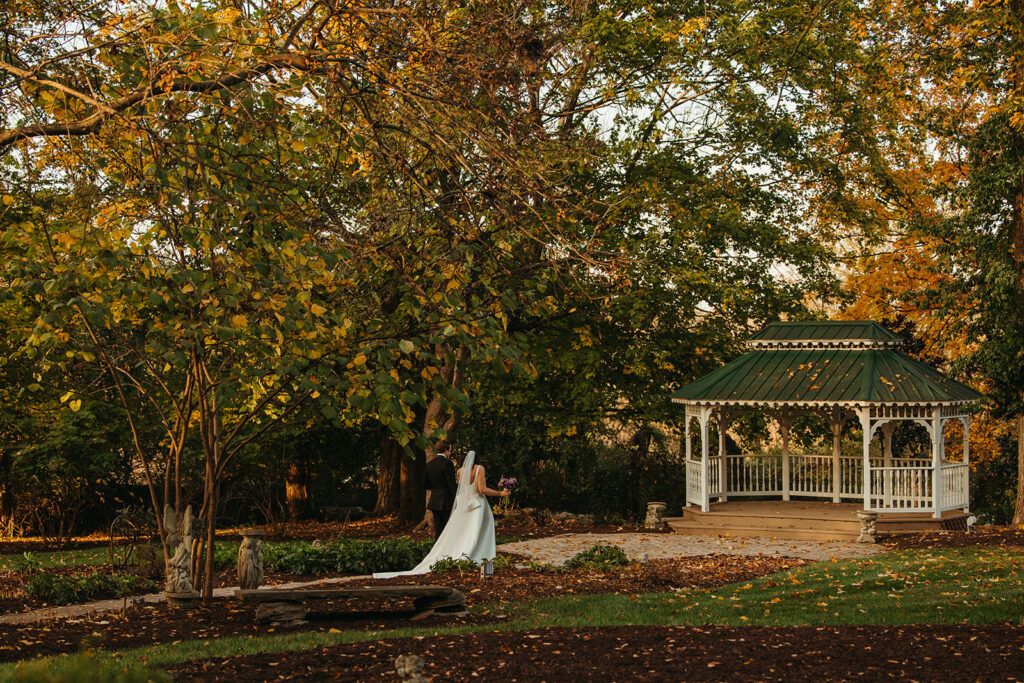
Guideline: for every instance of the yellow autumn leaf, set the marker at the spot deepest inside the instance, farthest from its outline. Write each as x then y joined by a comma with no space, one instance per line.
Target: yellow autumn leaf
75,405
317,309
298,145
239,320
359,360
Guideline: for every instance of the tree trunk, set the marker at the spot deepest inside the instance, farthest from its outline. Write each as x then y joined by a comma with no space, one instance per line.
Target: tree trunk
296,491
389,474
211,540
1017,248
6,495
412,504
1018,511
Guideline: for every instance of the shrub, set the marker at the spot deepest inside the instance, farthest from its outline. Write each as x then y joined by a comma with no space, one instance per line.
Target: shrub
460,565
63,590
346,556
598,557
226,554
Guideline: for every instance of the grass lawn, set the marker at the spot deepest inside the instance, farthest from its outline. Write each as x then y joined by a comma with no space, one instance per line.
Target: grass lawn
950,585
54,558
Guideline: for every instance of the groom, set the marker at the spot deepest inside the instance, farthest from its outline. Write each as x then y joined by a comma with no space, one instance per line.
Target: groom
440,483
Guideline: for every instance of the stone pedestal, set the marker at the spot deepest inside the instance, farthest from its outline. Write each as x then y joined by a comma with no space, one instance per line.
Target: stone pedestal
250,559
655,514
868,526
182,600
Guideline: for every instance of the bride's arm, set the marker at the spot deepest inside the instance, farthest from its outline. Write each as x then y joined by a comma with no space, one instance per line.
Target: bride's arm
481,483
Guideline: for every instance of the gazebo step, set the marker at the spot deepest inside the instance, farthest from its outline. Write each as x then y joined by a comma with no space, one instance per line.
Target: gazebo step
727,520
680,526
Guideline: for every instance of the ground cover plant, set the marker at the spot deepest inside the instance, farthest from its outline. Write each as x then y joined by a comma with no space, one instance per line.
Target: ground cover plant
62,590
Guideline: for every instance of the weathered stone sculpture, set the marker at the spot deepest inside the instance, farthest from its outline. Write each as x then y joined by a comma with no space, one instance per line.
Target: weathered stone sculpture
179,567
654,515
410,668
250,559
868,527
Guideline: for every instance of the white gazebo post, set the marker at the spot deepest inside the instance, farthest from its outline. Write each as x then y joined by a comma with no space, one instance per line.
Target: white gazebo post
864,414
705,463
937,442
967,437
837,473
887,430
723,425
785,422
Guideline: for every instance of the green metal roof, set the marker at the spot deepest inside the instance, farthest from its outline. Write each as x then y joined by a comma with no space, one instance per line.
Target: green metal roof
814,375
825,331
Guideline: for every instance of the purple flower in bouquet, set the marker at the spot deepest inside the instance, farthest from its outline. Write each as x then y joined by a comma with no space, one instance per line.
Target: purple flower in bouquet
508,483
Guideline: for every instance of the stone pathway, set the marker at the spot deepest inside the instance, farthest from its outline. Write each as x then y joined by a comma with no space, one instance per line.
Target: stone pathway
553,550
558,549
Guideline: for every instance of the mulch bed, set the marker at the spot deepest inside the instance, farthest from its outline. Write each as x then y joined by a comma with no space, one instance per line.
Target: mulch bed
148,624
653,653
519,585
999,536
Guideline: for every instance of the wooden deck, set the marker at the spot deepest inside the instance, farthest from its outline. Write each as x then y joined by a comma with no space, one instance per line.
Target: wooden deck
802,520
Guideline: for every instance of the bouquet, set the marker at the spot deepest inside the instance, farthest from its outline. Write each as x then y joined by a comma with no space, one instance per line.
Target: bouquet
507,484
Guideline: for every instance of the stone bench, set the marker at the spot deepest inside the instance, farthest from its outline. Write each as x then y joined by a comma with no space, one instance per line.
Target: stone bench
287,605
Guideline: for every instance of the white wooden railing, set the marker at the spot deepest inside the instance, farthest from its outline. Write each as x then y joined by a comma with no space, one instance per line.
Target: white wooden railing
953,493
810,475
906,485
753,475
694,488
896,489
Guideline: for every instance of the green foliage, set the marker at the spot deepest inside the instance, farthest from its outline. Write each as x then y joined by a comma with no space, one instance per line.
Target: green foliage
63,590
579,472
226,554
461,565
87,668
346,556
994,483
31,561
598,557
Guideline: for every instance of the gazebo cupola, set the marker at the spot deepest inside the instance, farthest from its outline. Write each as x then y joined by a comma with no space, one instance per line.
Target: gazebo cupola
844,370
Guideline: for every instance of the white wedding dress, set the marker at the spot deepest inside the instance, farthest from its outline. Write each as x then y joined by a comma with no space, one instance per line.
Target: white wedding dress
469,533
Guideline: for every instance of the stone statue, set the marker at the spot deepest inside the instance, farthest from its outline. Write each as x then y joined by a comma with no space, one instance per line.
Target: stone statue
868,527
250,560
654,515
179,568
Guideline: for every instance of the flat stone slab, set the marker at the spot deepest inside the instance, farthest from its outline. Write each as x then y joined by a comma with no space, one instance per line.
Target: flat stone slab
558,549
301,595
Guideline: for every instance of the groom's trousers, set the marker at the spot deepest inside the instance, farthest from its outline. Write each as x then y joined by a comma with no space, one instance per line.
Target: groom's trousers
440,519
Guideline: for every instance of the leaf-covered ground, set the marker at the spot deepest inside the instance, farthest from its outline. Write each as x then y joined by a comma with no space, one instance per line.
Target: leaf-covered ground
654,653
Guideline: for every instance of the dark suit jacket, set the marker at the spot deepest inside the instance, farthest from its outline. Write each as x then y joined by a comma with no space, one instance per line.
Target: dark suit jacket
439,479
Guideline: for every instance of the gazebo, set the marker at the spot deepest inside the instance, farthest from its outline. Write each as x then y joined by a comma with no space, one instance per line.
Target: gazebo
845,370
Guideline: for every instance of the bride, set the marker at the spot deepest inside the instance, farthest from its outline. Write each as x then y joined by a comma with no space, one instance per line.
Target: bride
469,533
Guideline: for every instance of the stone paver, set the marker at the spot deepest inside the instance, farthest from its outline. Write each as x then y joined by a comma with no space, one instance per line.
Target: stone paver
558,549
